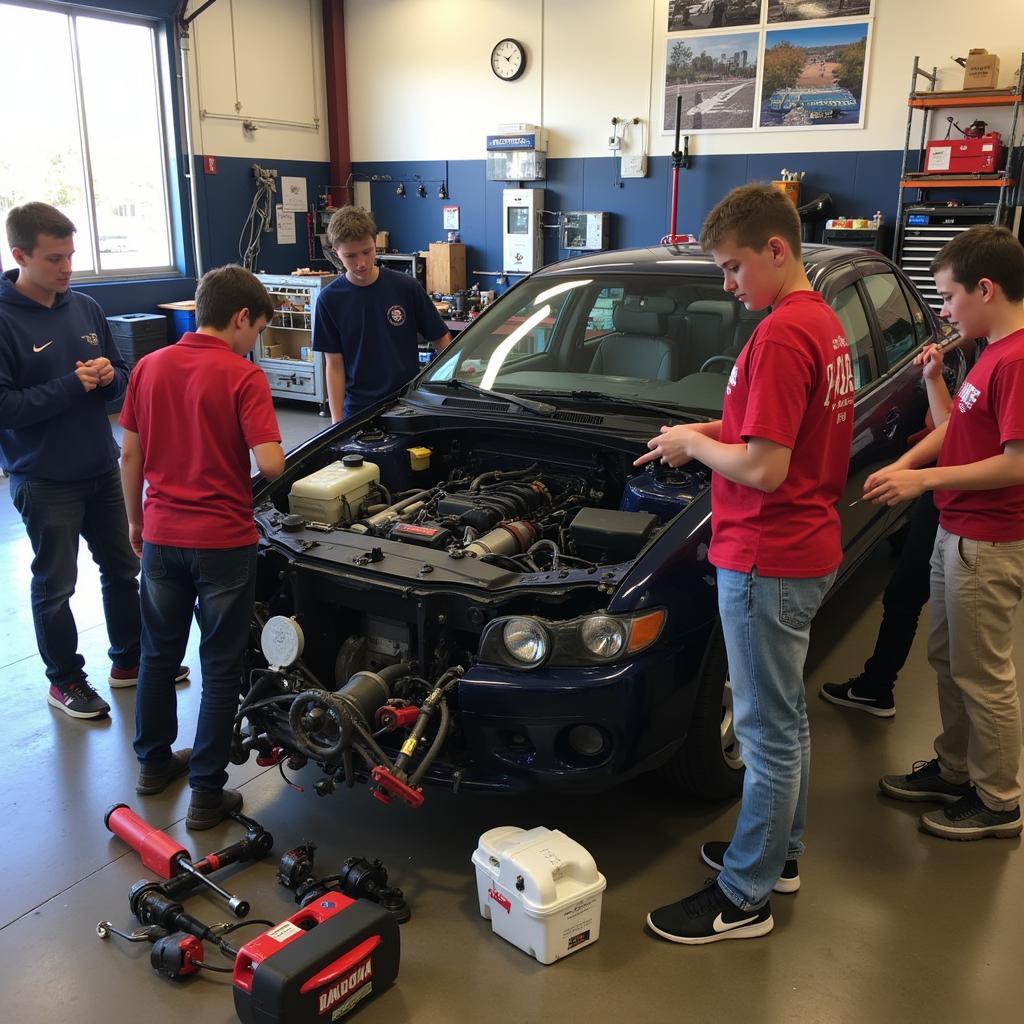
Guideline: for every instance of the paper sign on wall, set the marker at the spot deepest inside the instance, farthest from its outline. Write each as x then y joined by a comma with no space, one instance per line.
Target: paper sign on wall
285,225
451,217
293,194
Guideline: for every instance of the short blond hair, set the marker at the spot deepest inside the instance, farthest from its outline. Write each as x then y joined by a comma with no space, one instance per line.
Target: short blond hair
350,224
751,214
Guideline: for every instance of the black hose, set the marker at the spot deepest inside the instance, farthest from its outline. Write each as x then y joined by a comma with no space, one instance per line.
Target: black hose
435,747
499,474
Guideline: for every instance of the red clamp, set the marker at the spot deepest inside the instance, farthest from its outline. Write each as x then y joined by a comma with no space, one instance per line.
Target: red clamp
392,718
388,786
276,756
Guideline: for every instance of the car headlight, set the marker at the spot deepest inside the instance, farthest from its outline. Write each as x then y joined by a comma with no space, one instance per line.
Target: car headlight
526,640
603,636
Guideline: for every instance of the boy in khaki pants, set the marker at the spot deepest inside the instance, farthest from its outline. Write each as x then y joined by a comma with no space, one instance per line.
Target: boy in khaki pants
977,575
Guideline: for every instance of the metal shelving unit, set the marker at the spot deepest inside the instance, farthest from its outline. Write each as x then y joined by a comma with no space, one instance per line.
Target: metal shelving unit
924,226
284,349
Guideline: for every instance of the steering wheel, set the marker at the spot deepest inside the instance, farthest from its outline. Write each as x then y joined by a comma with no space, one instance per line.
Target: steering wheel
729,360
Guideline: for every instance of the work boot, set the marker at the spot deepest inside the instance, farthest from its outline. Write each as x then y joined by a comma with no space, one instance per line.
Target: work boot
154,778
210,807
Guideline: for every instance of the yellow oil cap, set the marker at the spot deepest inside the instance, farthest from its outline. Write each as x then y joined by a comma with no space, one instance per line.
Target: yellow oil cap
419,458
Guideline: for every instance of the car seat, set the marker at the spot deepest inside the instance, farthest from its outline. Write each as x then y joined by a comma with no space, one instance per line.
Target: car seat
640,347
712,326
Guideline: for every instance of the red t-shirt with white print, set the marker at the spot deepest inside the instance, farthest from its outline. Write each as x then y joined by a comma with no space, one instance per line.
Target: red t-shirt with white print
988,411
792,384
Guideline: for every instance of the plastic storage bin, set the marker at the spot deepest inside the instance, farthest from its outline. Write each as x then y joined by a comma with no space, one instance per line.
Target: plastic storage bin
540,889
335,493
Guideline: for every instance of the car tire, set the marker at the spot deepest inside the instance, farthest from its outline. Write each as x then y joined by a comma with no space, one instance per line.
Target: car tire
708,764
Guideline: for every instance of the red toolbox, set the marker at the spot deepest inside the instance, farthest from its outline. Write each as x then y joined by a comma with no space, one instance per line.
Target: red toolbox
983,155
318,965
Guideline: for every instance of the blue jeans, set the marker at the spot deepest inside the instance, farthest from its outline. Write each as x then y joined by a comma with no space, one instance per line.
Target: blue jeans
223,580
766,622
56,513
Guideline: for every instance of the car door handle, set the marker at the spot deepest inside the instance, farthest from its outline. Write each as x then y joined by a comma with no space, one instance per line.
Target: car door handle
891,424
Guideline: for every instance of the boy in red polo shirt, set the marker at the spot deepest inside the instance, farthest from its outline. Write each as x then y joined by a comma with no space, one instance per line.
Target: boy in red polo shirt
977,576
192,414
779,459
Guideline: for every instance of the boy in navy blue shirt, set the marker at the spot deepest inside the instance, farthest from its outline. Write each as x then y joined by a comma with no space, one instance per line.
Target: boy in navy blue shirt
367,321
58,369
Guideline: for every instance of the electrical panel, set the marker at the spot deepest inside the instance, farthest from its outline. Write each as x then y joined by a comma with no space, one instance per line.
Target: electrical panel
583,229
522,244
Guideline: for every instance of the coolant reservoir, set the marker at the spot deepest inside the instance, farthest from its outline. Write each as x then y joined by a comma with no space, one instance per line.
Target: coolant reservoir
334,494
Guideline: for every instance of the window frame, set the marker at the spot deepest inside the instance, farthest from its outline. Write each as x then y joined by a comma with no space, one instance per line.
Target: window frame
163,86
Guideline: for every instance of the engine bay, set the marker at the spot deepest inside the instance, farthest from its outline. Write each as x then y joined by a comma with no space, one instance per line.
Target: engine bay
393,562
518,510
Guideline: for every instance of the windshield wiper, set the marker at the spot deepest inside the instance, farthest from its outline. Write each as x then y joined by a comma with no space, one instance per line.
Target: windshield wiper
540,408
624,402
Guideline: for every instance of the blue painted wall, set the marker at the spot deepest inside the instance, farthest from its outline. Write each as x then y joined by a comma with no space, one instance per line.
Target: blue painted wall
860,184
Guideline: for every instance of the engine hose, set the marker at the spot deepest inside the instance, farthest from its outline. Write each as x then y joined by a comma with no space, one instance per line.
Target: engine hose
498,474
334,710
435,747
546,545
427,709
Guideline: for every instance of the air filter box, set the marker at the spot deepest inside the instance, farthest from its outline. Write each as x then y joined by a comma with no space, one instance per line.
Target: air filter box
608,536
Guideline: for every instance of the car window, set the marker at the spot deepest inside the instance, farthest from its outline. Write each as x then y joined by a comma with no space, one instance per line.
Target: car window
599,318
850,310
922,325
890,305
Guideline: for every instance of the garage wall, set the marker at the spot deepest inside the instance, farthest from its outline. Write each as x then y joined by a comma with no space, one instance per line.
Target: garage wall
422,98
422,87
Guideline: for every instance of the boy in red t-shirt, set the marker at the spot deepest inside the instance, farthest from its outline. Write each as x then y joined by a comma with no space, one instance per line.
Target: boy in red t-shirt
779,456
192,413
978,563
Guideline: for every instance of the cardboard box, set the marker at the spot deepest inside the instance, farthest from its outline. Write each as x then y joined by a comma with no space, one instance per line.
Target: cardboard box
272,351
382,241
982,70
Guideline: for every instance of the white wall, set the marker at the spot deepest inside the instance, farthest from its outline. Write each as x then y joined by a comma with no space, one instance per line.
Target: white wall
276,48
421,88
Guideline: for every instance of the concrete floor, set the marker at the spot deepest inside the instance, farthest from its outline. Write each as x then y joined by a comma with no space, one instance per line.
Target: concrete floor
890,924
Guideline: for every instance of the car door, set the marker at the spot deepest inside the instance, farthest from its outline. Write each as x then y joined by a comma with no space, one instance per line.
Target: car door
874,425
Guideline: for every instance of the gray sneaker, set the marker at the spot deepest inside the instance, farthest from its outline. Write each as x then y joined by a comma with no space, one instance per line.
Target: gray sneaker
155,778
924,783
208,808
969,818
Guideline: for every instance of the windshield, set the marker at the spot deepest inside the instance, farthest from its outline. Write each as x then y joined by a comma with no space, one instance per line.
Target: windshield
658,338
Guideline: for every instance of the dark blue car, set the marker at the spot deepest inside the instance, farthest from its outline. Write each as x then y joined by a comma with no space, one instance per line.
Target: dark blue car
471,585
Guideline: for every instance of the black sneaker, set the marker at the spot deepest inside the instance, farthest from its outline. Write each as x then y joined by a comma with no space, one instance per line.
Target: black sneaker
709,916
77,699
208,808
846,696
969,818
155,779
924,783
713,854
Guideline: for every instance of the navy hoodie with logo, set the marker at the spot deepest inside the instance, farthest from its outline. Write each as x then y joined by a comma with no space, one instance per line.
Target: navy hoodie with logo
51,428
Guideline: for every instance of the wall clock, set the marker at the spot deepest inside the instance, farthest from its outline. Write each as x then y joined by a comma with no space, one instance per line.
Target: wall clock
508,59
